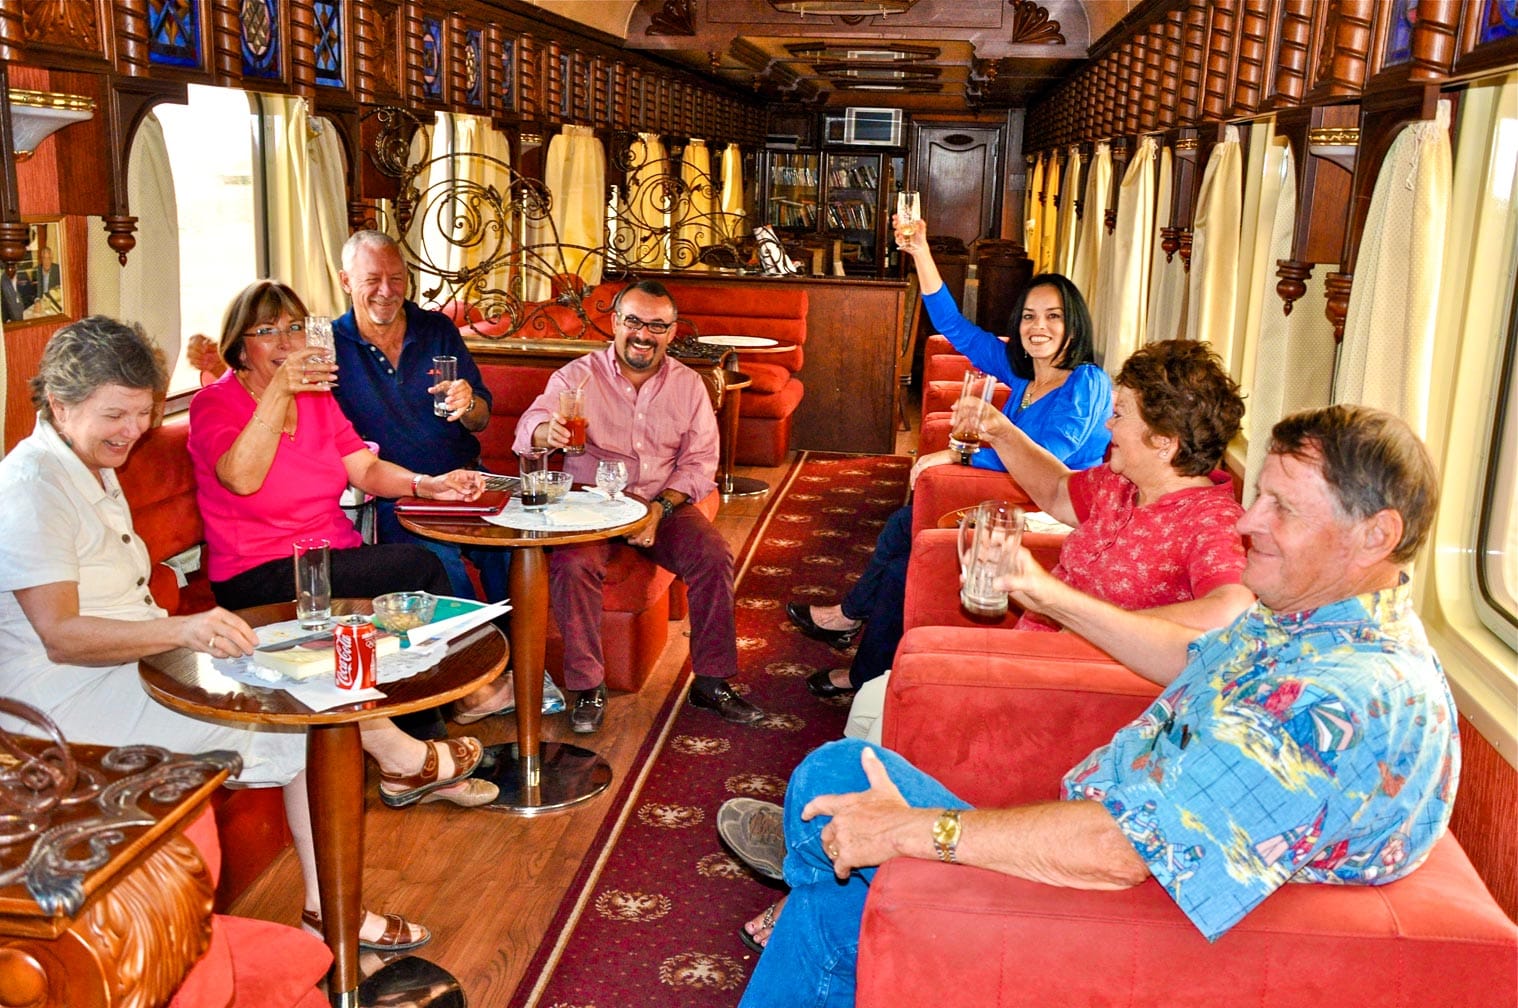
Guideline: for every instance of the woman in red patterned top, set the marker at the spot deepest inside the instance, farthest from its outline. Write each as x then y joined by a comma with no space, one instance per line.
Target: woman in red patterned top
1155,523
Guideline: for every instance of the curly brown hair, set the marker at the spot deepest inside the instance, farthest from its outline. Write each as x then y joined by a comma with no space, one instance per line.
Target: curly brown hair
1183,392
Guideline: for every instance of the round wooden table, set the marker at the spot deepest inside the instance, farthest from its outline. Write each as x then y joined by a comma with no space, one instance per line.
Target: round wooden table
534,776
733,384
187,681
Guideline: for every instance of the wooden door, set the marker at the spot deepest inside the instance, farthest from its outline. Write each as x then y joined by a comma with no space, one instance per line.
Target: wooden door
957,168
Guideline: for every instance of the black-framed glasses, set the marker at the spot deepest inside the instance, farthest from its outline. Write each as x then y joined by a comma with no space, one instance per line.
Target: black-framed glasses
658,328
268,332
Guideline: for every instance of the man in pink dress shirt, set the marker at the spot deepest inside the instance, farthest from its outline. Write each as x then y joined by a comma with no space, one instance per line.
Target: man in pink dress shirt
654,414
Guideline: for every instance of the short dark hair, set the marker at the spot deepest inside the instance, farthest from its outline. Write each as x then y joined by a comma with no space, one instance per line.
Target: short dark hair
1079,345
94,352
1183,392
259,302
1372,461
652,288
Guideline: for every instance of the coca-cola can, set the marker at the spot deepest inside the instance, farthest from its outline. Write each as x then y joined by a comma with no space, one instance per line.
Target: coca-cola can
353,644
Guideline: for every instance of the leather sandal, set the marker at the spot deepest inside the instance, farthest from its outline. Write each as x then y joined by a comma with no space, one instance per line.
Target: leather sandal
757,942
396,929
408,789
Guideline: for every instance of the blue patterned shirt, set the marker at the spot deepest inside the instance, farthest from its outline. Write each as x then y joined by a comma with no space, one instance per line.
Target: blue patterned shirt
1318,746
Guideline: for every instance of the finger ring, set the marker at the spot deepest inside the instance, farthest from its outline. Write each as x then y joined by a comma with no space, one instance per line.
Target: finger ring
833,853
211,644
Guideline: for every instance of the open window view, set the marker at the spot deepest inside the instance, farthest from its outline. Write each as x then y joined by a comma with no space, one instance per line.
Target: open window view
746,503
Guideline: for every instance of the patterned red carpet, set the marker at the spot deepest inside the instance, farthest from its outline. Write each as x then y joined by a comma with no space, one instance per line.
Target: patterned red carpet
653,916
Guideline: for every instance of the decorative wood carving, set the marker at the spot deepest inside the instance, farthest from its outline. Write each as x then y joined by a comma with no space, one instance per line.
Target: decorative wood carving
121,234
1435,40
1170,72
224,44
1344,59
1256,52
1292,285
1217,89
1293,51
376,50
1186,236
63,24
676,17
1031,25
1170,242
1338,287
1152,52
1193,49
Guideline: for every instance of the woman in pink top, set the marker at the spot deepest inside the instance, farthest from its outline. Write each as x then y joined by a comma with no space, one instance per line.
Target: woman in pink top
272,454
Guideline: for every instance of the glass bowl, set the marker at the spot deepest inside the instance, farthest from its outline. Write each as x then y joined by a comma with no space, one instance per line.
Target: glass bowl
557,484
397,612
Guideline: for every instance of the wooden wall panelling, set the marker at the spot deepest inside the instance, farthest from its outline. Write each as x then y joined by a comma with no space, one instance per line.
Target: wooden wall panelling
1193,53
1323,192
1170,71
1294,49
600,94
1254,68
553,79
1486,806
223,42
1152,45
454,66
376,50
1218,64
1125,119
1344,56
1382,118
533,101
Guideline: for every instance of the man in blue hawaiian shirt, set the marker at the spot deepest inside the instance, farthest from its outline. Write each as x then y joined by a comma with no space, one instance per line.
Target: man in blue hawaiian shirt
1311,740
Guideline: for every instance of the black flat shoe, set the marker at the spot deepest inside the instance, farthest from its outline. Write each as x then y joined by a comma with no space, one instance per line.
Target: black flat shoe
820,683
726,704
801,617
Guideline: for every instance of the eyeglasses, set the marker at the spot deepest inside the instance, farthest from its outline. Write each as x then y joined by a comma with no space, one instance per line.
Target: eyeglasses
657,328
268,332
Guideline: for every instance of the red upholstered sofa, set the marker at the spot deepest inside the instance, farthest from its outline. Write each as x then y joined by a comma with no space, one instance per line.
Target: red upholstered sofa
998,717
764,419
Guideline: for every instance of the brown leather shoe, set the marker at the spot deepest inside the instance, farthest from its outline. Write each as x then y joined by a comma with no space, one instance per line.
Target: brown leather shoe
589,710
725,704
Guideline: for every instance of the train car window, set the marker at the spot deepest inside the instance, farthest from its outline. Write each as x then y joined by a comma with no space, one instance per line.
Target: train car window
211,143
1497,547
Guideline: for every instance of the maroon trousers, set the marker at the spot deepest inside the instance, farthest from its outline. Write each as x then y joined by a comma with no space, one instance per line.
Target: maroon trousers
686,544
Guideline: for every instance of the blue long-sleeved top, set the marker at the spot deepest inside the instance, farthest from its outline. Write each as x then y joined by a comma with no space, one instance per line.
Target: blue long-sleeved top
1071,421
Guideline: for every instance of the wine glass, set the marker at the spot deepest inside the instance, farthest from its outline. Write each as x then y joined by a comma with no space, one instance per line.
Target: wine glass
319,335
611,477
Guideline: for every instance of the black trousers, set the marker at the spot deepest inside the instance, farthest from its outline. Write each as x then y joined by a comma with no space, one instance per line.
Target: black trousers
361,572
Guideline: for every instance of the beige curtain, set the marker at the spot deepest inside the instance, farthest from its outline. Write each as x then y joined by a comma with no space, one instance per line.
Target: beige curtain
733,224
1211,304
1294,353
1389,335
647,213
1064,241
146,289
1126,294
1033,226
696,227
1049,218
1167,280
1093,229
305,206
1270,162
574,171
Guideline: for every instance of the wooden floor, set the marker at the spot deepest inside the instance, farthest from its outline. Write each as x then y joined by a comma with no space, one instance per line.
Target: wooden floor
488,883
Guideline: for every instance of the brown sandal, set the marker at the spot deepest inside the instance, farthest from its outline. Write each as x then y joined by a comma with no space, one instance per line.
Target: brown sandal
395,927
466,753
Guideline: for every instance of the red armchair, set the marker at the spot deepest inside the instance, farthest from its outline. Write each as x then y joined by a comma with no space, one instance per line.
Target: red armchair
998,717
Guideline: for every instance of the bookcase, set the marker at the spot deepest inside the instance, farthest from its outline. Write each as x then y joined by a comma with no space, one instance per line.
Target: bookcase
819,198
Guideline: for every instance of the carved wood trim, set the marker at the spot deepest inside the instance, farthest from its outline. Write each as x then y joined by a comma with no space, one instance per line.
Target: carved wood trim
1344,60
1338,287
1217,82
1256,54
675,18
1293,52
1193,51
1031,25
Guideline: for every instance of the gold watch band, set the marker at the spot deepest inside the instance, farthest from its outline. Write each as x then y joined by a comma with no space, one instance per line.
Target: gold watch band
946,831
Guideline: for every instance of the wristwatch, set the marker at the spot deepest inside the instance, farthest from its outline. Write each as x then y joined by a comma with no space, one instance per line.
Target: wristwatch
964,457
946,835
665,503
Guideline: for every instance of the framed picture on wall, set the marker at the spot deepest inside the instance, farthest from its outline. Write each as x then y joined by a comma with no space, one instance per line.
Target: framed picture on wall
35,289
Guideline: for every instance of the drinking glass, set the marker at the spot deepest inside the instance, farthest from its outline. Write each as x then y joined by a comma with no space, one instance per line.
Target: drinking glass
313,582
989,536
319,335
908,207
572,411
532,464
965,437
611,477
445,370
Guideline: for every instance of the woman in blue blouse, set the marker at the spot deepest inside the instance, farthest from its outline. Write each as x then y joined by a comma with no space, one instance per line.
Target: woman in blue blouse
1060,398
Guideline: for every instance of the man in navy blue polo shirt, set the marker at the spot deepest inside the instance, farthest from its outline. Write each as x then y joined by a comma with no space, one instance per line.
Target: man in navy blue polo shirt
385,346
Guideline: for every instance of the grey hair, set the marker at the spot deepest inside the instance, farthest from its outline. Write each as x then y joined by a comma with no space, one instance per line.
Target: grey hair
87,355
370,239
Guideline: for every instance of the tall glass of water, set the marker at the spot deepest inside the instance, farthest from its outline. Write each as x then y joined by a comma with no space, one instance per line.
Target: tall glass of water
313,582
445,370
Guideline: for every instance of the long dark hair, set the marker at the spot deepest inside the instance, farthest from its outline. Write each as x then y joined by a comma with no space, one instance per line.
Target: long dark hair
1078,348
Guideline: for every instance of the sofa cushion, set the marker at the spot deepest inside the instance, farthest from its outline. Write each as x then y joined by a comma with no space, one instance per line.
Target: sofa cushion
775,405
764,376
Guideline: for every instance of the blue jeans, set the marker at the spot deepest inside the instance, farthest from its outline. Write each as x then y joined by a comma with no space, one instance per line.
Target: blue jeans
493,564
879,598
813,950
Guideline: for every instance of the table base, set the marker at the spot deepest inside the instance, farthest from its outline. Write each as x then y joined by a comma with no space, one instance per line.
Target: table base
742,486
565,775
408,983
